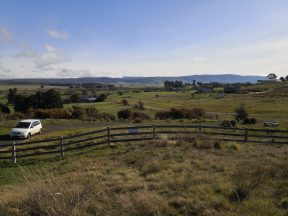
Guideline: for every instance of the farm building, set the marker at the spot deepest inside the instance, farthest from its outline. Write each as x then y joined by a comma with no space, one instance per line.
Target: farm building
266,81
204,90
86,98
232,89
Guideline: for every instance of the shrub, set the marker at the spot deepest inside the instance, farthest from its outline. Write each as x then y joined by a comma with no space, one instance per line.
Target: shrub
137,120
163,115
91,112
240,113
151,168
129,114
50,113
77,112
227,123
201,143
125,102
245,179
101,98
249,121
140,105
87,113
175,113
16,115
125,114
140,115
105,117
75,98
4,108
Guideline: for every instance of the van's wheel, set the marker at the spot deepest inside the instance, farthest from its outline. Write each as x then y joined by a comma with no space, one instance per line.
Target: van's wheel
41,131
29,135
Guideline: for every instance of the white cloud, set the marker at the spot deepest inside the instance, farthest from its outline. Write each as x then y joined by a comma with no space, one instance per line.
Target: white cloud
59,35
50,56
4,70
199,58
26,52
68,73
5,35
50,48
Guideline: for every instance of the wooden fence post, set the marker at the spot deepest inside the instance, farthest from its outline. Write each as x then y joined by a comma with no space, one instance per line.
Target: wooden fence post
61,146
200,130
108,136
14,153
154,132
246,135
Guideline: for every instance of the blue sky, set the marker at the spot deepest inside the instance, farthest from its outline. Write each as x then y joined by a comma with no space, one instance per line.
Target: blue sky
142,38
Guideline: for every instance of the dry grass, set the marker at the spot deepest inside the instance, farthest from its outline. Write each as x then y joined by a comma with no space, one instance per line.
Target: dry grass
183,176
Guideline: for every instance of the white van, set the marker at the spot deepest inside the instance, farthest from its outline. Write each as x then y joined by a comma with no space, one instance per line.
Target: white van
26,128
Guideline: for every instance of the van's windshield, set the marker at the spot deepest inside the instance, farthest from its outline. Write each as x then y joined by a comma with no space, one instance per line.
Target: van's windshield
23,125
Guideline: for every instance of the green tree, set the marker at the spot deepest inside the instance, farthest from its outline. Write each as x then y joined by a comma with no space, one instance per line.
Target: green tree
101,98
4,109
21,103
11,95
52,99
272,76
75,98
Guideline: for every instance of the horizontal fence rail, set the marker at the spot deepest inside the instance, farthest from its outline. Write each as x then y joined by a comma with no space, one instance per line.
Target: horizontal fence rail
59,146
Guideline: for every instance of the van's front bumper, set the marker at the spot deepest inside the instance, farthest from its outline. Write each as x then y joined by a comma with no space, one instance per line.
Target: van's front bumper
17,136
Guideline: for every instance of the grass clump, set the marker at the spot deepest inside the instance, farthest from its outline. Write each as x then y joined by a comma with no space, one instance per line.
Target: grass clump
245,180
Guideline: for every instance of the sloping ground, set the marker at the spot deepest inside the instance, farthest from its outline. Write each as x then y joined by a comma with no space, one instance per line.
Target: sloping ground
185,177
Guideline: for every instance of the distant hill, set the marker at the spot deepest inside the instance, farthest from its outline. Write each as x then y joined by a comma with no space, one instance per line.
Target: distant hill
223,78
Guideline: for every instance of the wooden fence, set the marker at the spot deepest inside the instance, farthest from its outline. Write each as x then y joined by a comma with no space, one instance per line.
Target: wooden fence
108,136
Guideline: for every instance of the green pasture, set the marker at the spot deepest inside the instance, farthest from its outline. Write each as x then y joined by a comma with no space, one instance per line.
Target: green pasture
263,101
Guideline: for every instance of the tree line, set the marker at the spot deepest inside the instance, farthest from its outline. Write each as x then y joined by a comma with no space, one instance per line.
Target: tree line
41,100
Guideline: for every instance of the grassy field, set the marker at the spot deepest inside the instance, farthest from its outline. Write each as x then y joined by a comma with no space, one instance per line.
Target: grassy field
265,101
165,177
188,176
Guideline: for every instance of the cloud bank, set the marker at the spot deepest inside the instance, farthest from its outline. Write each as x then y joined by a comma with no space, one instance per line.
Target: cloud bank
59,35
5,35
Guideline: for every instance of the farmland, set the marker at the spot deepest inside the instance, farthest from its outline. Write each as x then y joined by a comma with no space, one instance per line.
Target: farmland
186,176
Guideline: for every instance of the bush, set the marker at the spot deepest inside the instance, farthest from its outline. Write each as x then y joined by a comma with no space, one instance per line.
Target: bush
77,112
101,98
75,98
105,117
245,179
137,120
4,108
125,114
240,113
50,113
249,121
163,115
16,115
125,102
175,113
87,113
140,115
91,112
227,123
129,114
140,105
